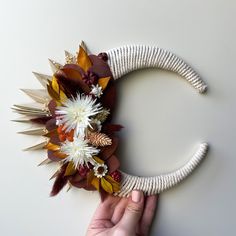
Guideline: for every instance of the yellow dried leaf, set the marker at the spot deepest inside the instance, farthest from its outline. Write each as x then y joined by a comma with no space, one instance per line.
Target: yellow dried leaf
70,169
96,183
98,160
52,147
106,185
103,82
51,92
58,90
83,59
55,85
115,185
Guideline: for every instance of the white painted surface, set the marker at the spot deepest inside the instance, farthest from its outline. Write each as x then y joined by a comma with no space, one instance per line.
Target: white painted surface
156,107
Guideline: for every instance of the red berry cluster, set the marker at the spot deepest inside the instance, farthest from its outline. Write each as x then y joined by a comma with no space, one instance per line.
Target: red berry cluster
103,56
116,175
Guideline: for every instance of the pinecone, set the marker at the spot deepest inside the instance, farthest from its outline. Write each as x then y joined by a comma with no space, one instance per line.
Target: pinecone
99,139
116,175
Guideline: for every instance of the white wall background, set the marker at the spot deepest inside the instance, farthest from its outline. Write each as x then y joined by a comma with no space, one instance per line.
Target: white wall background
164,117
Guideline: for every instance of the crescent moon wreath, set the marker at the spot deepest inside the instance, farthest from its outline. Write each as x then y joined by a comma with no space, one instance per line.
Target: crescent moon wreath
73,115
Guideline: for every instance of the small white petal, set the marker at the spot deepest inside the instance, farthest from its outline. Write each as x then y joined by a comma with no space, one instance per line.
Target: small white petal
96,91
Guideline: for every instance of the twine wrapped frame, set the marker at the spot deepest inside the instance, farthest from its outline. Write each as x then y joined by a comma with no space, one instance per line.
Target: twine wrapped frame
128,58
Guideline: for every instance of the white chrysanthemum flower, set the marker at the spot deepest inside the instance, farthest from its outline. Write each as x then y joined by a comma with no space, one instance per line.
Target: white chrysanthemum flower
100,170
96,90
76,113
79,151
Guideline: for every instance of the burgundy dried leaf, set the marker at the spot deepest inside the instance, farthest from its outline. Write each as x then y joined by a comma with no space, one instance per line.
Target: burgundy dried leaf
54,138
79,184
107,151
109,129
103,194
52,107
51,124
60,181
52,156
76,177
41,120
113,163
99,67
78,181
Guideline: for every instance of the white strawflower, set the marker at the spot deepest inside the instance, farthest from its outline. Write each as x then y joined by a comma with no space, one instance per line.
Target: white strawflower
79,151
76,113
96,90
100,170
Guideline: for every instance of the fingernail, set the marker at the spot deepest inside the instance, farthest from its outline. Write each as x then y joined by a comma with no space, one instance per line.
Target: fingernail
136,196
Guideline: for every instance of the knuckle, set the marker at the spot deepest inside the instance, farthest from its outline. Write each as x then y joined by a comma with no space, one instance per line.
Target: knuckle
134,208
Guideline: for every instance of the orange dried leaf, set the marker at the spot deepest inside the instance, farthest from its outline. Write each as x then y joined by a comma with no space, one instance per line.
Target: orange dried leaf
95,182
90,177
103,82
70,169
60,154
72,72
52,147
83,59
106,185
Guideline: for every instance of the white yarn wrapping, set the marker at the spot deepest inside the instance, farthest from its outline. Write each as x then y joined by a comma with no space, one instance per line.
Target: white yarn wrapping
157,184
128,58
125,59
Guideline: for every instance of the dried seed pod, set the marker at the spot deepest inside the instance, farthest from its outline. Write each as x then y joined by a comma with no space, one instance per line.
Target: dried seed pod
102,116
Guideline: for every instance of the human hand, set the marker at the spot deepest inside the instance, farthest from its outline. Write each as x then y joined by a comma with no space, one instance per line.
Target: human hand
124,216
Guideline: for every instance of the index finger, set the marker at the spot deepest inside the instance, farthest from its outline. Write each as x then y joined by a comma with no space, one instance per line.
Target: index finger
148,213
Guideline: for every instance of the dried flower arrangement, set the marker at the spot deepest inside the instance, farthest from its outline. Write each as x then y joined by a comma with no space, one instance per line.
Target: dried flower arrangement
76,108
74,112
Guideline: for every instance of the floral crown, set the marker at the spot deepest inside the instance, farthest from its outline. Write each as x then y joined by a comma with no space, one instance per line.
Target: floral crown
74,115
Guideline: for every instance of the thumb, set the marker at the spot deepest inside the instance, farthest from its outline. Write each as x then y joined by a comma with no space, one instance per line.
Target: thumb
133,211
